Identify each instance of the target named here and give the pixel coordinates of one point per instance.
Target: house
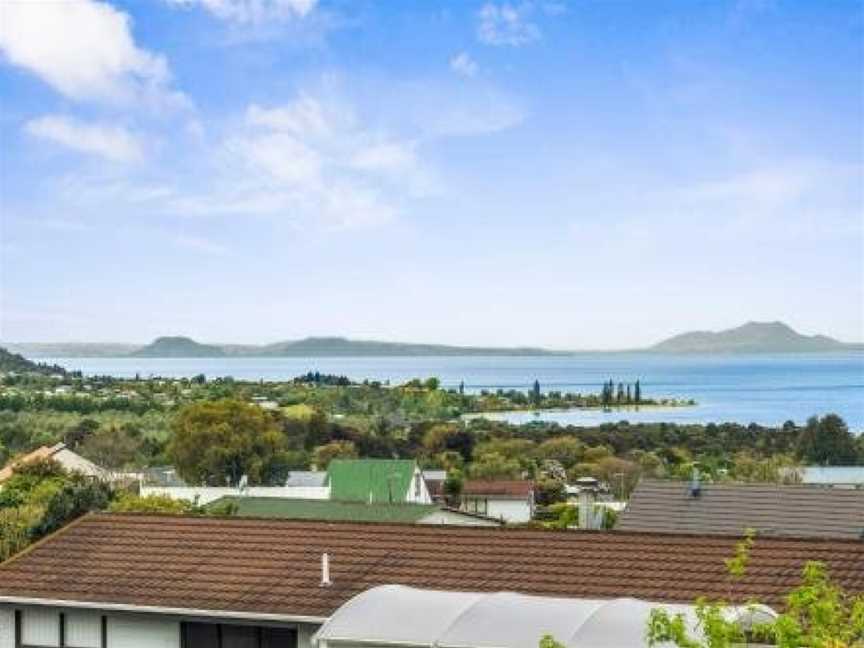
(509, 500)
(668, 506)
(151, 581)
(61, 454)
(393, 481)
(298, 509)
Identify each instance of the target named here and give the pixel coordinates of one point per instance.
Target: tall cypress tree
(638, 394)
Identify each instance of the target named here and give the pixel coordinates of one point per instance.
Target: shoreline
(587, 408)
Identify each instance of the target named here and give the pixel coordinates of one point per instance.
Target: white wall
(124, 630)
(418, 493)
(140, 632)
(207, 494)
(510, 510)
(7, 627)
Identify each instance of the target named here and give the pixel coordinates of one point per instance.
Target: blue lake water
(759, 388)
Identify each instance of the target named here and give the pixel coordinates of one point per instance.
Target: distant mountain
(12, 362)
(72, 349)
(342, 347)
(178, 347)
(753, 337)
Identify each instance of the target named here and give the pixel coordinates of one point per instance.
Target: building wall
(510, 510)
(123, 630)
(418, 493)
(7, 628)
(207, 494)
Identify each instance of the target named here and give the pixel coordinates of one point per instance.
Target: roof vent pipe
(325, 570)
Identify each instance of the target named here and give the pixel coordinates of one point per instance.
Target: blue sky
(593, 174)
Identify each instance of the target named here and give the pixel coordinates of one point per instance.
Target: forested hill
(753, 337)
(316, 347)
(178, 347)
(12, 362)
(337, 346)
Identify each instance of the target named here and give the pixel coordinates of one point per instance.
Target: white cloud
(464, 65)
(780, 188)
(311, 160)
(110, 142)
(200, 244)
(85, 50)
(506, 24)
(252, 11)
(281, 155)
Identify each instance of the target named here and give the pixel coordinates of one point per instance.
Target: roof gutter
(156, 609)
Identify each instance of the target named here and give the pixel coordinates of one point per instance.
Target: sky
(581, 174)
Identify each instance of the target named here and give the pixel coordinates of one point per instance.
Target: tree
(494, 466)
(818, 614)
(165, 505)
(446, 436)
(112, 447)
(637, 392)
(323, 455)
(827, 441)
(77, 496)
(549, 491)
(566, 450)
(218, 442)
(535, 393)
(77, 434)
(452, 487)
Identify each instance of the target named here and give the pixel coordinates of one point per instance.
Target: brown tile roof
(499, 487)
(808, 511)
(273, 566)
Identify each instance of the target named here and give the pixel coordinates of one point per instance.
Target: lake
(760, 388)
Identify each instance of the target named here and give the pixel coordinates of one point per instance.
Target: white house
(508, 500)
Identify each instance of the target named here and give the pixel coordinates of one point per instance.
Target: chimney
(586, 508)
(325, 570)
(695, 483)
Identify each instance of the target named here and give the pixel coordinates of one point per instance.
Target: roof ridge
(511, 529)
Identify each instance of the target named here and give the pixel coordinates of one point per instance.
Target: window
(40, 628)
(476, 505)
(216, 635)
(82, 630)
(51, 628)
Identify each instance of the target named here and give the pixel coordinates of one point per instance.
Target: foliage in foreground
(818, 614)
(40, 498)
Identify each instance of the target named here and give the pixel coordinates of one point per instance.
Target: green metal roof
(300, 509)
(370, 480)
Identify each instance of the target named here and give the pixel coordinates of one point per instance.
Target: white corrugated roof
(394, 614)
